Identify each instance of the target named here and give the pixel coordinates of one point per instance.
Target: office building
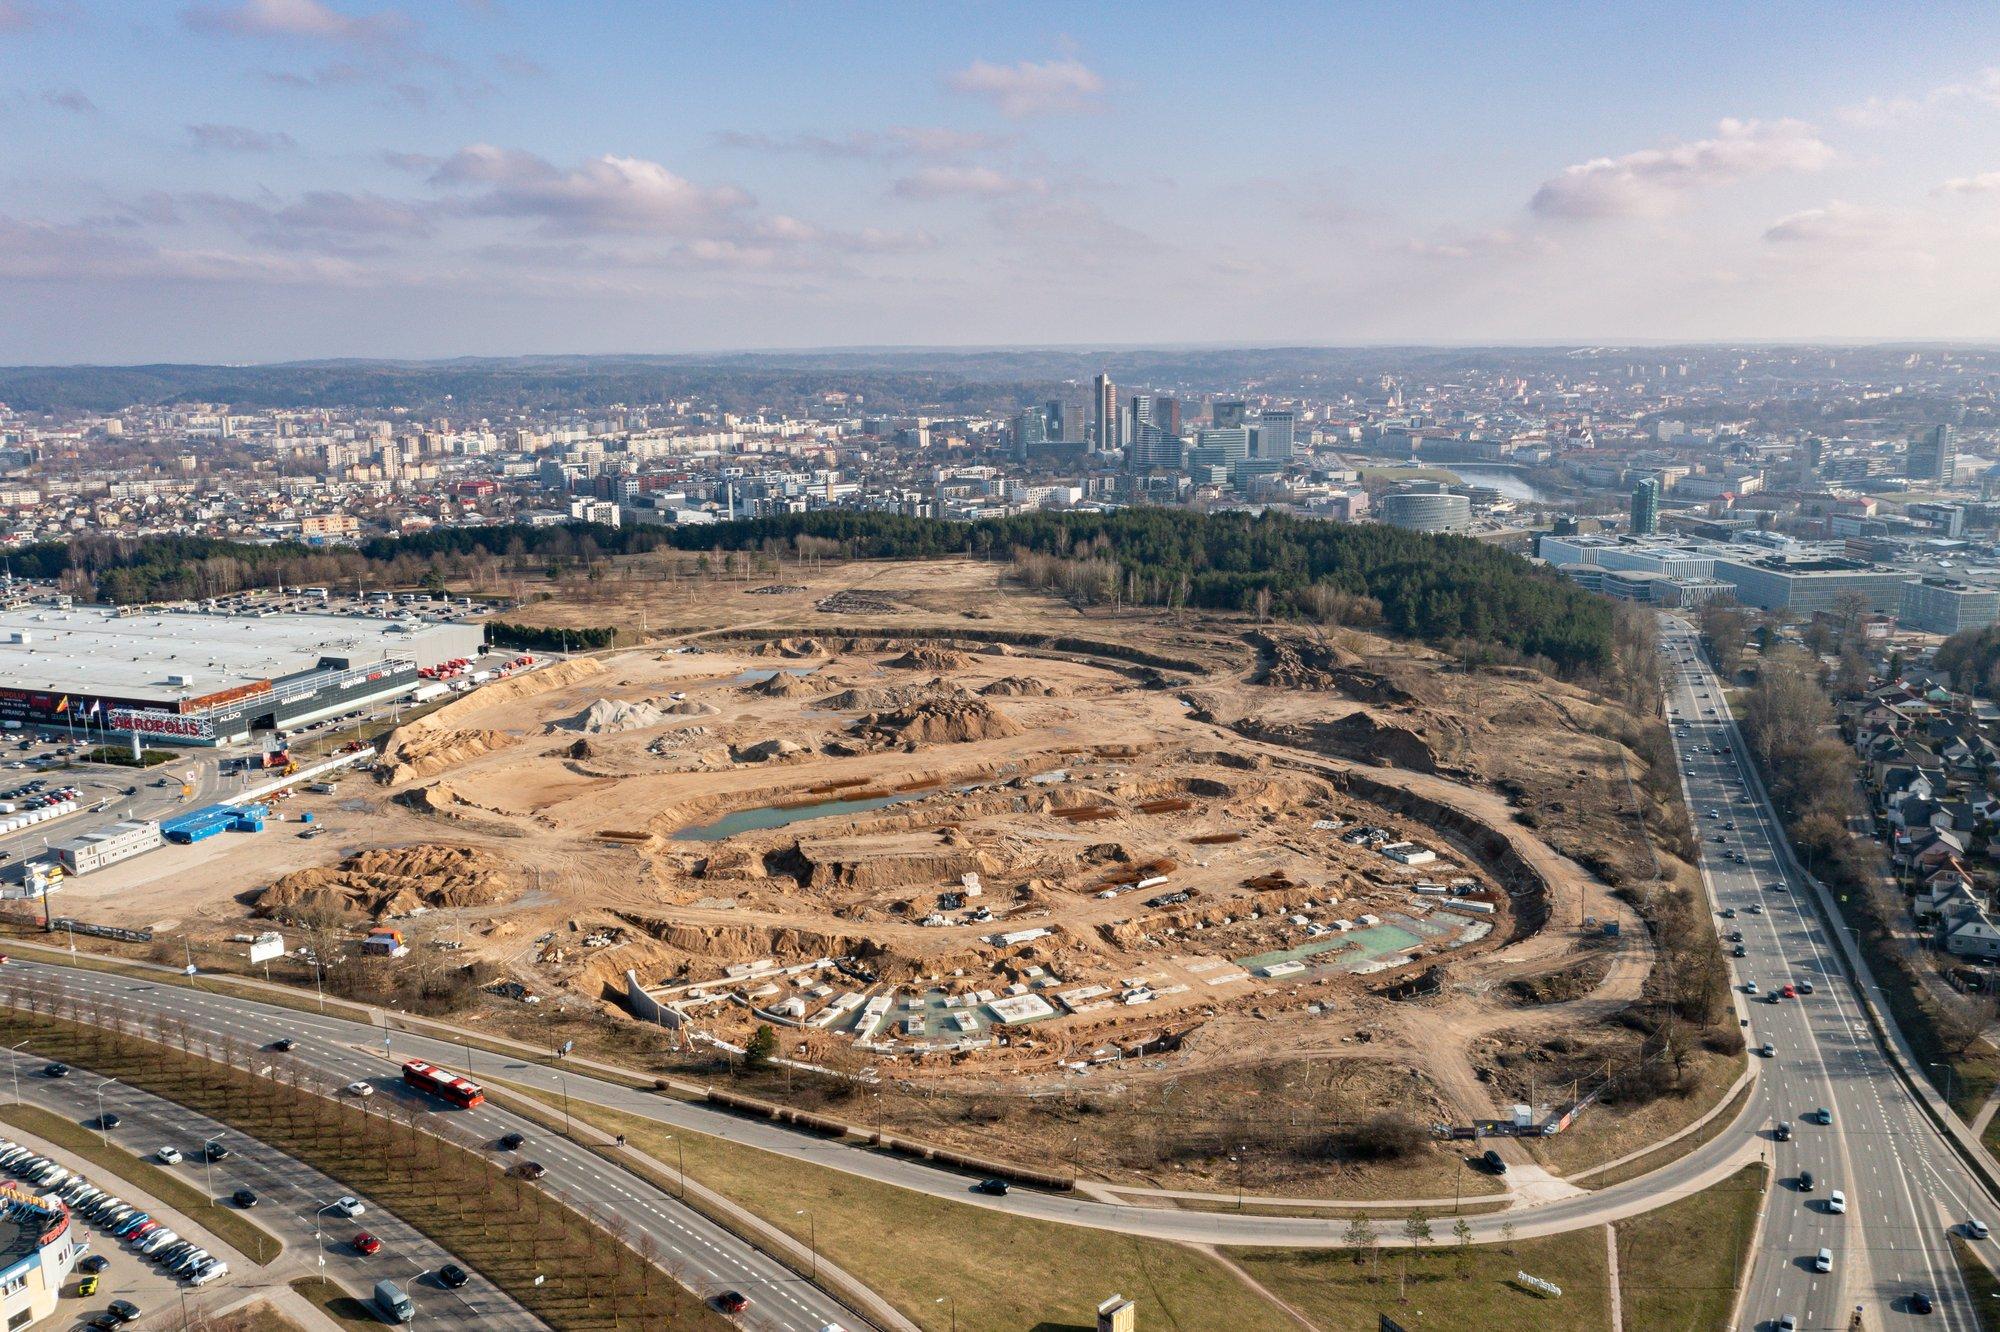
(1947, 606)
(1646, 506)
(1275, 432)
(40, 1243)
(1104, 408)
(1933, 457)
(1800, 585)
(1226, 414)
(1420, 512)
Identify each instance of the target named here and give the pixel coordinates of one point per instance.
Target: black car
(996, 1187)
(126, 1310)
(1920, 1302)
(57, 1070)
(96, 1262)
(105, 1322)
(244, 1198)
(513, 1142)
(1491, 1160)
(107, 1120)
(213, 1151)
(451, 1276)
(1806, 1181)
(284, 1044)
(531, 1170)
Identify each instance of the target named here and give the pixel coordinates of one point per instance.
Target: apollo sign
(146, 721)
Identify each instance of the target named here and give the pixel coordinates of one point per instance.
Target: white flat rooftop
(94, 650)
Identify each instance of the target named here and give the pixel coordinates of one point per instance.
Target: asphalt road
(290, 1196)
(704, 1256)
(1905, 1188)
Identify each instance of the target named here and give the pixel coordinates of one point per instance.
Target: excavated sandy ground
(1243, 752)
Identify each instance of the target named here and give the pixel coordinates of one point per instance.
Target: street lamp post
(14, 1066)
(680, 1156)
(953, 1300)
(103, 1131)
(565, 1093)
(812, 1238)
(1948, 1082)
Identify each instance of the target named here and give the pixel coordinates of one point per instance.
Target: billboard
(267, 947)
(150, 721)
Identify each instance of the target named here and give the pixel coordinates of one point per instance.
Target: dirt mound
(374, 884)
(1020, 686)
(765, 751)
(928, 657)
(609, 715)
(791, 647)
(781, 685)
(415, 752)
(875, 700)
(436, 798)
(941, 721)
(688, 707)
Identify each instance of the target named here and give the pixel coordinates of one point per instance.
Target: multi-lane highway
(292, 1199)
(1904, 1188)
(702, 1254)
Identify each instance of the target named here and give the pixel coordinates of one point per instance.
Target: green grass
(1679, 1266)
(1444, 1286)
(1980, 1284)
(1006, 1272)
(353, 1314)
(229, 1225)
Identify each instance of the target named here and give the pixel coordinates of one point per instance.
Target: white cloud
(307, 20)
(977, 182)
(66, 252)
(1851, 229)
(1655, 180)
(1982, 89)
(605, 194)
(237, 138)
(1029, 88)
(70, 99)
(1986, 182)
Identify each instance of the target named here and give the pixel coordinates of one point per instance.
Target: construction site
(1012, 847)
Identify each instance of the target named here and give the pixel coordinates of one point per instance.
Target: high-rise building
(1031, 430)
(1104, 408)
(1646, 506)
(1167, 415)
(1227, 414)
(1274, 435)
(1933, 457)
(1066, 422)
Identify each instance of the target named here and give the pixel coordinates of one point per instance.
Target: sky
(265, 180)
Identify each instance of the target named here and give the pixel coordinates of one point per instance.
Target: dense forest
(1444, 589)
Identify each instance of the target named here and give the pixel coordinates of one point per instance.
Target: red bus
(446, 1086)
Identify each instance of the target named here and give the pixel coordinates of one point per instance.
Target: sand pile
(374, 884)
(791, 647)
(688, 707)
(781, 685)
(928, 657)
(941, 721)
(436, 798)
(422, 751)
(766, 751)
(1020, 686)
(874, 700)
(609, 715)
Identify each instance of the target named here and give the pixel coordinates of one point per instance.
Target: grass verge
(1597, 1137)
(1980, 1283)
(1006, 1272)
(228, 1225)
(504, 1227)
(1445, 1286)
(344, 1309)
(1671, 1152)
(1679, 1266)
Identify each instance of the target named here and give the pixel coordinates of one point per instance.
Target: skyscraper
(1646, 506)
(1933, 457)
(1104, 407)
(1227, 414)
(1275, 432)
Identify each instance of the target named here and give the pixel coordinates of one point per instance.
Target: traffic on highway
(1865, 1191)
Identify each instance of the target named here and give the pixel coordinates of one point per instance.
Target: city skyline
(262, 180)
